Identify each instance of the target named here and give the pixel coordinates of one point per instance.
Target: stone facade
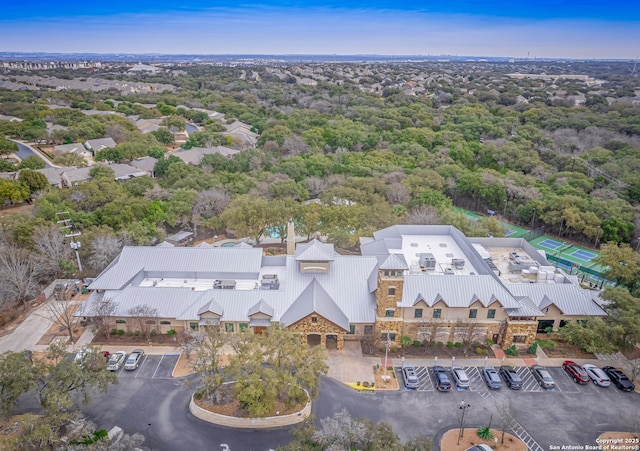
(321, 326)
(388, 295)
(526, 329)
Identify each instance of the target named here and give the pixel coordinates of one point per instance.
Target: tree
(143, 317)
(206, 344)
(71, 160)
(623, 312)
(102, 171)
(622, 264)
(60, 312)
(32, 162)
(20, 273)
(54, 252)
(592, 336)
(247, 216)
(102, 314)
(17, 378)
(164, 136)
(104, 248)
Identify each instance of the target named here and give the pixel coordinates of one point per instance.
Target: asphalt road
(25, 151)
(571, 415)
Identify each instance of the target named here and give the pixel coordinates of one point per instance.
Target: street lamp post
(533, 219)
(149, 437)
(463, 406)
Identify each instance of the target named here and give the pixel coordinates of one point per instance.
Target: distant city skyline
(548, 29)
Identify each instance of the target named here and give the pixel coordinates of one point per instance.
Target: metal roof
(261, 307)
(314, 299)
(159, 260)
(455, 291)
(211, 306)
(395, 261)
(315, 251)
(527, 308)
(571, 299)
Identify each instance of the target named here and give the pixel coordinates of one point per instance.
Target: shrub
(405, 341)
(440, 344)
(546, 344)
(533, 348)
(114, 331)
(490, 342)
(153, 333)
(548, 330)
(393, 349)
(481, 351)
(417, 343)
(450, 344)
(121, 332)
(485, 433)
(457, 345)
(171, 332)
(512, 351)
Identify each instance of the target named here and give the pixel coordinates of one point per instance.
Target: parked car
(480, 447)
(116, 361)
(410, 376)
(492, 378)
(460, 377)
(543, 377)
(81, 355)
(597, 375)
(134, 360)
(441, 378)
(511, 377)
(575, 371)
(619, 379)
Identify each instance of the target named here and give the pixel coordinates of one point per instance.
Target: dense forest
(343, 149)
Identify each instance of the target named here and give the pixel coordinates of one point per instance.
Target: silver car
(134, 360)
(410, 376)
(460, 377)
(597, 375)
(116, 360)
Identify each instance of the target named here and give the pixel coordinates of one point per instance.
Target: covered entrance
(332, 342)
(259, 330)
(314, 339)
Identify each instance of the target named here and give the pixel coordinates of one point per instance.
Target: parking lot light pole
(463, 406)
(149, 437)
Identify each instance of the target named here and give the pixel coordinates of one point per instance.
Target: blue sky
(543, 28)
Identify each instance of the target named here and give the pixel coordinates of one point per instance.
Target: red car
(575, 371)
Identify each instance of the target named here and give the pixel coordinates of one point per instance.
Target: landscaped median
(249, 423)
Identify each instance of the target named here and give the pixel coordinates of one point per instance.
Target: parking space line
(157, 367)
(424, 378)
(140, 366)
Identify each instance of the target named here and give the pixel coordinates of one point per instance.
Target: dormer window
(314, 319)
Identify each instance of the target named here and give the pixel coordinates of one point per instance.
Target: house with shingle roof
(75, 148)
(94, 145)
(426, 282)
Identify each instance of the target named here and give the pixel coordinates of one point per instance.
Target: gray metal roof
(395, 261)
(183, 260)
(527, 308)
(314, 299)
(455, 291)
(315, 251)
(211, 306)
(261, 307)
(568, 297)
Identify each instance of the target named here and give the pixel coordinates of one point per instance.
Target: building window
(368, 330)
(387, 272)
(243, 327)
(314, 319)
(398, 273)
(120, 321)
(473, 313)
(352, 329)
(193, 326)
(519, 338)
(417, 313)
(228, 327)
(392, 291)
(150, 321)
(437, 313)
(389, 313)
(491, 313)
(165, 323)
(392, 337)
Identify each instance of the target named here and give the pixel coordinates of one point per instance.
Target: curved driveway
(24, 151)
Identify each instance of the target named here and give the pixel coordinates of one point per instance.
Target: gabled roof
(211, 306)
(76, 148)
(527, 308)
(261, 307)
(455, 291)
(146, 163)
(99, 144)
(314, 299)
(125, 171)
(570, 298)
(395, 261)
(315, 251)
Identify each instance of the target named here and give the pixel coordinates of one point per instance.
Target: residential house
(94, 145)
(146, 164)
(242, 134)
(195, 155)
(75, 148)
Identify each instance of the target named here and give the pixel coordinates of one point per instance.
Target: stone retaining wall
(249, 423)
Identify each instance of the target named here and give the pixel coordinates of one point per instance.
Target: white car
(116, 361)
(597, 375)
(80, 355)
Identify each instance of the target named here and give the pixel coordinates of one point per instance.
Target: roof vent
(443, 245)
(414, 244)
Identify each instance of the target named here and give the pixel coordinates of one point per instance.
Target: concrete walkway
(348, 365)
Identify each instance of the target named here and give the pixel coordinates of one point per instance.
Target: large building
(425, 282)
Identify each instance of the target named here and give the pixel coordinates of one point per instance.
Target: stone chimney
(291, 238)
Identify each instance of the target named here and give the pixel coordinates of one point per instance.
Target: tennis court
(550, 244)
(584, 255)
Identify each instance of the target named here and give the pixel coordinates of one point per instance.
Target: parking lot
(152, 367)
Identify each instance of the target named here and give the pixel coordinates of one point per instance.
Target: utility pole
(463, 406)
(70, 231)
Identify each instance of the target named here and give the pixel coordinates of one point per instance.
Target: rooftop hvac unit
(224, 284)
(449, 271)
(458, 263)
(270, 282)
(427, 261)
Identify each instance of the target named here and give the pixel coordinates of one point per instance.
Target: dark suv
(441, 378)
(619, 379)
(491, 377)
(511, 377)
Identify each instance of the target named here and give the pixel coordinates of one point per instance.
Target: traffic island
(451, 440)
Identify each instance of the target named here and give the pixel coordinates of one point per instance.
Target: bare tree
(104, 248)
(341, 432)
(20, 274)
(61, 313)
(55, 253)
(398, 194)
(210, 203)
(423, 214)
(102, 313)
(507, 414)
(635, 368)
(315, 186)
(295, 145)
(468, 333)
(144, 317)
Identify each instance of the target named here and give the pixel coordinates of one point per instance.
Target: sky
(509, 28)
